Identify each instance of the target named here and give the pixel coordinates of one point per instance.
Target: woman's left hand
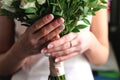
(69, 45)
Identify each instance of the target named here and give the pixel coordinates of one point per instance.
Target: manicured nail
(50, 46)
(50, 16)
(60, 20)
(61, 27)
(57, 60)
(47, 54)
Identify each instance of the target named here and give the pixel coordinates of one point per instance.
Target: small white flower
(8, 8)
(26, 4)
(7, 2)
(41, 1)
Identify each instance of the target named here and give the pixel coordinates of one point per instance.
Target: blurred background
(111, 70)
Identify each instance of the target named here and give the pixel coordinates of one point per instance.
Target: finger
(65, 52)
(56, 37)
(60, 48)
(62, 58)
(62, 40)
(44, 50)
(65, 46)
(75, 42)
(40, 23)
(51, 35)
(49, 28)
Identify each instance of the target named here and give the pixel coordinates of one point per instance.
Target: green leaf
(32, 16)
(81, 17)
(58, 14)
(81, 26)
(86, 10)
(68, 1)
(99, 7)
(93, 3)
(69, 22)
(86, 21)
(54, 4)
(85, 0)
(75, 30)
(90, 13)
(81, 8)
(31, 10)
(103, 1)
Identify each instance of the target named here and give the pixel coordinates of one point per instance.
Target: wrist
(16, 54)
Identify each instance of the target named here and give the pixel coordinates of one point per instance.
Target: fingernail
(50, 46)
(50, 16)
(57, 60)
(61, 27)
(43, 51)
(47, 54)
(61, 19)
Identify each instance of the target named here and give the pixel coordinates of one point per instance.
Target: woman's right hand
(35, 37)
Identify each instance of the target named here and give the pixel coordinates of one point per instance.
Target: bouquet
(29, 11)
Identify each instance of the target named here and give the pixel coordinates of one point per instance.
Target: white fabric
(76, 68)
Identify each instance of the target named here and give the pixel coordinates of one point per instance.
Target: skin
(14, 54)
(93, 44)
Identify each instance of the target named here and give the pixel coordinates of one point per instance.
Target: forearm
(98, 53)
(10, 63)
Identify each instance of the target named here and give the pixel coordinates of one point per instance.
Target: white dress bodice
(76, 68)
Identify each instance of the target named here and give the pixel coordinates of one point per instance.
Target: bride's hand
(69, 45)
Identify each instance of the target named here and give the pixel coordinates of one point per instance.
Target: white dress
(76, 68)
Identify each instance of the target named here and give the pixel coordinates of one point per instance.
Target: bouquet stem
(56, 70)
